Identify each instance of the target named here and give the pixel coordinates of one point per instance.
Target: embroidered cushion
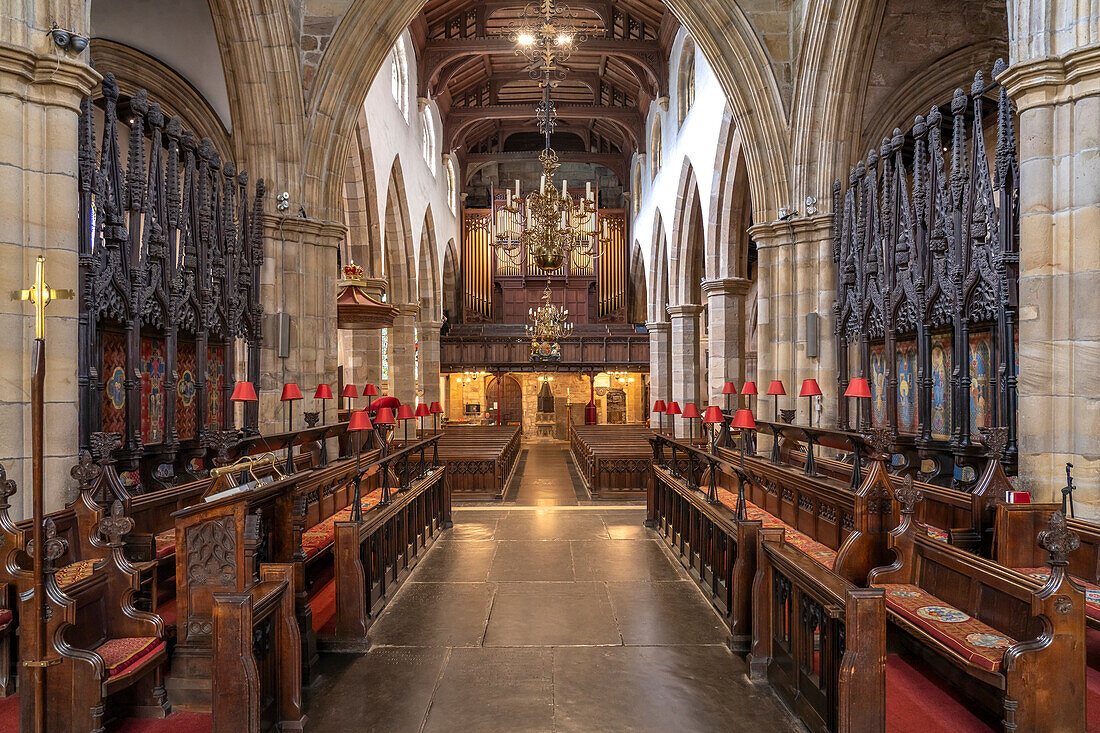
(977, 642)
(165, 543)
(819, 552)
(5, 617)
(1092, 592)
(321, 535)
(936, 533)
(120, 655)
(73, 572)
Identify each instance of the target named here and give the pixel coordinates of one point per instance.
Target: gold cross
(41, 295)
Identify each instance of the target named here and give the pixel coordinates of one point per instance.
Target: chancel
(695, 365)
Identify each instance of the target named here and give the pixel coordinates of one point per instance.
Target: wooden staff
(40, 295)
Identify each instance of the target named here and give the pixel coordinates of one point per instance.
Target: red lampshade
(858, 388)
(436, 408)
(244, 392)
(370, 390)
(776, 388)
(350, 391)
(690, 410)
(324, 392)
(748, 388)
(405, 412)
(713, 415)
(809, 388)
(291, 392)
(384, 416)
(743, 419)
(729, 388)
(360, 420)
(673, 408)
(422, 410)
(659, 406)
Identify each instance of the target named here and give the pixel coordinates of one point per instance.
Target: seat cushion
(5, 617)
(165, 543)
(819, 552)
(977, 642)
(73, 572)
(1092, 592)
(936, 533)
(124, 653)
(321, 535)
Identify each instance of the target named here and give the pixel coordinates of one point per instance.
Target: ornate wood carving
(212, 552)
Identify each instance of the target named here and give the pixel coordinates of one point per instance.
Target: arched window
(452, 183)
(686, 83)
(655, 146)
(636, 188)
(400, 81)
(427, 137)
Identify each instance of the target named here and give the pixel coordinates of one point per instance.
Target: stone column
(1055, 83)
(41, 87)
(726, 313)
(403, 354)
(796, 276)
(660, 367)
(685, 357)
(429, 361)
(299, 278)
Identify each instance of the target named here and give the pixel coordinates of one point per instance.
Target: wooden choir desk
(479, 459)
(614, 460)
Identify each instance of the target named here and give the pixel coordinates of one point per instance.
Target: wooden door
(509, 399)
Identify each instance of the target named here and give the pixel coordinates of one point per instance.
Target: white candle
(563, 220)
(509, 199)
(563, 184)
(517, 188)
(542, 185)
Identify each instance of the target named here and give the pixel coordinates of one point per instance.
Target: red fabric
(323, 605)
(977, 642)
(167, 612)
(5, 617)
(165, 543)
(1092, 679)
(919, 701)
(121, 654)
(174, 723)
(387, 401)
(73, 572)
(819, 552)
(1092, 592)
(321, 535)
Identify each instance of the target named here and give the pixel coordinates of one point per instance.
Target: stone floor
(534, 618)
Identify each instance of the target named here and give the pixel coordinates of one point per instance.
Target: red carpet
(174, 723)
(917, 702)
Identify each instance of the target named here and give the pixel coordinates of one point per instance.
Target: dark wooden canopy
(356, 310)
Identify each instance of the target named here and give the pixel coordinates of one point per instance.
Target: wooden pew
(256, 676)
(479, 460)
(375, 553)
(105, 657)
(818, 639)
(614, 460)
(1001, 636)
(7, 644)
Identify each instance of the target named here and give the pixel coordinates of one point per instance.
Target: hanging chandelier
(548, 324)
(546, 34)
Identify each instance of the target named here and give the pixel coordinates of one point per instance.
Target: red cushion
(936, 533)
(5, 617)
(165, 543)
(978, 643)
(73, 572)
(127, 652)
(322, 534)
(1092, 591)
(819, 552)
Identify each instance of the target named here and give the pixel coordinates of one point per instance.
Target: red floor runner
(323, 605)
(174, 723)
(917, 702)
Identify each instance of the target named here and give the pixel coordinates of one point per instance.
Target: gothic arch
(398, 242)
(658, 305)
(363, 239)
(451, 272)
(730, 211)
(689, 243)
(427, 276)
(636, 305)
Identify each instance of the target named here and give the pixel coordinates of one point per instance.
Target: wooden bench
(479, 460)
(818, 639)
(1002, 636)
(614, 460)
(105, 658)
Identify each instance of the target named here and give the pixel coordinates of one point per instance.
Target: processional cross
(41, 295)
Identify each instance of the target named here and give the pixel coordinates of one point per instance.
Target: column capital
(684, 310)
(792, 231)
(1053, 79)
(313, 231)
(431, 326)
(657, 326)
(410, 310)
(45, 78)
(727, 286)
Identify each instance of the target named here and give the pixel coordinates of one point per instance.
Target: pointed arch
(658, 304)
(730, 211)
(398, 241)
(636, 305)
(689, 244)
(452, 305)
(427, 274)
(362, 242)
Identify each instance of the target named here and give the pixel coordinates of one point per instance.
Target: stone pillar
(403, 354)
(41, 87)
(1055, 83)
(685, 358)
(429, 361)
(796, 276)
(726, 313)
(298, 277)
(660, 367)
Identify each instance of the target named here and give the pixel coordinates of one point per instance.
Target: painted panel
(153, 367)
(114, 384)
(941, 385)
(186, 391)
(878, 385)
(981, 393)
(215, 385)
(907, 386)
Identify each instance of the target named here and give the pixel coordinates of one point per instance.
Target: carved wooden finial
(116, 526)
(311, 418)
(7, 487)
(908, 495)
(787, 416)
(995, 440)
(882, 441)
(221, 441)
(85, 472)
(55, 546)
(1059, 540)
(103, 445)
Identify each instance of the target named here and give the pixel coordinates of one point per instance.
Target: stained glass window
(385, 354)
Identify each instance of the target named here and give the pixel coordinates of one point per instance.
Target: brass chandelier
(548, 324)
(546, 35)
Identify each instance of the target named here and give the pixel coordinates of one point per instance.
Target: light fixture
(546, 34)
(564, 39)
(549, 323)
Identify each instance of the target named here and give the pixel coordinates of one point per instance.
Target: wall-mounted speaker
(813, 334)
(283, 344)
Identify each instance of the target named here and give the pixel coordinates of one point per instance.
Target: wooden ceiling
(485, 93)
